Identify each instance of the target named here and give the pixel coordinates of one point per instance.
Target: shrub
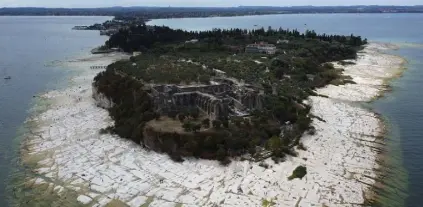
(194, 113)
(187, 126)
(312, 131)
(301, 146)
(181, 117)
(196, 127)
(176, 157)
(264, 165)
(299, 172)
(221, 154)
(225, 162)
(217, 124)
(206, 123)
(103, 131)
(225, 123)
(266, 203)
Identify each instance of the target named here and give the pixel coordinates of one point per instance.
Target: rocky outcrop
(100, 99)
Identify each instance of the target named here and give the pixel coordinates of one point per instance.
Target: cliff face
(100, 99)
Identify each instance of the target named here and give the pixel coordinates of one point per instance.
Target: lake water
(29, 48)
(402, 109)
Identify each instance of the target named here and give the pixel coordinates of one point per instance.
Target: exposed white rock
(84, 199)
(101, 100)
(339, 159)
(258, 62)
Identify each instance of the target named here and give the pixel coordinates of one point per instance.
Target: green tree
(194, 113)
(191, 146)
(299, 172)
(221, 153)
(172, 114)
(274, 144)
(303, 123)
(181, 117)
(237, 121)
(196, 127)
(217, 124)
(209, 143)
(225, 123)
(188, 126)
(206, 123)
(247, 123)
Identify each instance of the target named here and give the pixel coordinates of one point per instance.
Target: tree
(303, 123)
(221, 153)
(206, 123)
(187, 126)
(299, 172)
(217, 124)
(237, 121)
(274, 144)
(225, 123)
(181, 117)
(209, 143)
(247, 123)
(254, 142)
(191, 146)
(172, 114)
(256, 122)
(157, 117)
(196, 127)
(194, 113)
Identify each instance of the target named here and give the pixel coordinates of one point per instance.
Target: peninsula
(221, 93)
(233, 117)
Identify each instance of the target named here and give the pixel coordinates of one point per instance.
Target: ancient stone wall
(213, 100)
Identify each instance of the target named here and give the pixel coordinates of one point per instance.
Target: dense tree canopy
(287, 78)
(142, 37)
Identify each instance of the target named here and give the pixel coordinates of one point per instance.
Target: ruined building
(222, 98)
(261, 47)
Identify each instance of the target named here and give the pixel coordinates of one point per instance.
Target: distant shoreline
(184, 12)
(211, 16)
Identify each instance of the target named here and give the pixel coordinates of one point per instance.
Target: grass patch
(148, 202)
(116, 203)
(299, 172)
(266, 203)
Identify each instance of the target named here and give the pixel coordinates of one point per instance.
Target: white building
(261, 48)
(192, 41)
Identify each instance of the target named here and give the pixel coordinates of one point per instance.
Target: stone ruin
(222, 98)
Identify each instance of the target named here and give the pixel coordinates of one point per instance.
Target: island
(220, 94)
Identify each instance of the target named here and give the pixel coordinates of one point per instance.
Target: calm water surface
(402, 109)
(29, 46)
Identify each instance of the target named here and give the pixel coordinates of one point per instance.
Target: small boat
(7, 78)
(255, 25)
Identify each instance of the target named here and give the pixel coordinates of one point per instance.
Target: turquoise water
(402, 109)
(30, 48)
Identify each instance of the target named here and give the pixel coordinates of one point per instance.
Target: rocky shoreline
(71, 155)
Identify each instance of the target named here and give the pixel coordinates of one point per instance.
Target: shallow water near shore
(32, 47)
(403, 108)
